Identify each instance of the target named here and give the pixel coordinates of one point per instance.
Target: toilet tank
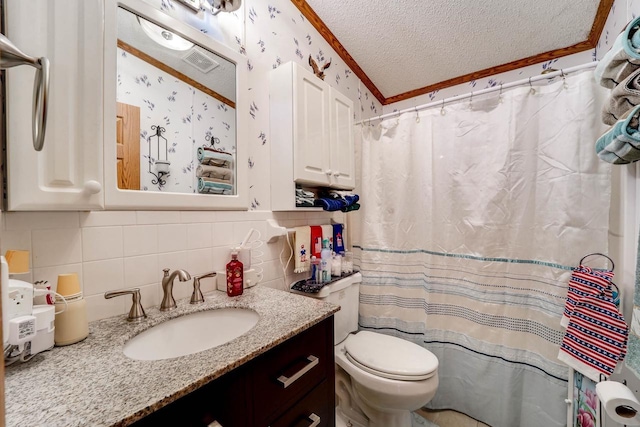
(345, 293)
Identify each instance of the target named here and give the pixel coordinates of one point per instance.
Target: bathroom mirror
(173, 138)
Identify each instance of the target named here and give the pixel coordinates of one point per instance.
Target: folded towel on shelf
(623, 98)
(222, 181)
(584, 281)
(301, 246)
(316, 240)
(621, 143)
(214, 158)
(302, 202)
(596, 337)
(305, 193)
(214, 172)
(622, 59)
(329, 204)
(208, 187)
(338, 238)
(353, 207)
(327, 233)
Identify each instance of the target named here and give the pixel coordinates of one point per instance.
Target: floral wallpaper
(271, 33)
(190, 118)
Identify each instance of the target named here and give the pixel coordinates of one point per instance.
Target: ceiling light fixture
(164, 37)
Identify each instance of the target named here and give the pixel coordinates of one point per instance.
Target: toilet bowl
(380, 379)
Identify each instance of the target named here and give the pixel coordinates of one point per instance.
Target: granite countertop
(94, 383)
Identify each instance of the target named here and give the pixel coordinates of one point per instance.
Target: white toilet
(380, 379)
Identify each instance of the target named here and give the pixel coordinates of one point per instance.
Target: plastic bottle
(316, 275)
(235, 278)
(325, 261)
(336, 265)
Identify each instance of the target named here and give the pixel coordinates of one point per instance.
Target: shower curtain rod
(501, 87)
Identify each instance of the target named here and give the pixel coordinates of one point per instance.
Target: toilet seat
(390, 357)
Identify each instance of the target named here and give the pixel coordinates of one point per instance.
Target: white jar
(71, 325)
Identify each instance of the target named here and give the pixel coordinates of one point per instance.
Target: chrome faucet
(196, 296)
(168, 303)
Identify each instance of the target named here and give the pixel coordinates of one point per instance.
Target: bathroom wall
(121, 249)
(118, 249)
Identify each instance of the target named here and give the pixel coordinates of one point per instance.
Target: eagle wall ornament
(317, 70)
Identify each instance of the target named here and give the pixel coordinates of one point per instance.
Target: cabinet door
(311, 129)
(342, 150)
(67, 173)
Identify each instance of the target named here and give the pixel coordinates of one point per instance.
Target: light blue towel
(622, 59)
(621, 143)
(214, 158)
(214, 187)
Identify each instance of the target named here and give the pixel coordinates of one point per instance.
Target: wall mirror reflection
(176, 112)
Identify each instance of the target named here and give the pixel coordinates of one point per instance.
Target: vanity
(280, 373)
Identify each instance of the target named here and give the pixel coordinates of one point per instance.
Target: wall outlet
(20, 298)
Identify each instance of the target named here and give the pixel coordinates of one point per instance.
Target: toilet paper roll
(619, 402)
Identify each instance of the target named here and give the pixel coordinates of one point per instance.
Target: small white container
(71, 325)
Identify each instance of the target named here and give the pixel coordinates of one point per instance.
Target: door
(67, 173)
(342, 150)
(311, 129)
(128, 146)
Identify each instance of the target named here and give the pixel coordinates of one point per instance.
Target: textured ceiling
(404, 45)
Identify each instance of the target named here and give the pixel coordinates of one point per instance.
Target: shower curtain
(472, 217)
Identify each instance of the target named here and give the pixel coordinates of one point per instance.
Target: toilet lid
(390, 357)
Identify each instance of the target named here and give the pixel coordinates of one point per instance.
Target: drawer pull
(286, 382)
(316, 420)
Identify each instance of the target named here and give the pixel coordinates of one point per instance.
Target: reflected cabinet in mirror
(177, 138)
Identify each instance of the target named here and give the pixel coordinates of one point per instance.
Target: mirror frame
(116, 198)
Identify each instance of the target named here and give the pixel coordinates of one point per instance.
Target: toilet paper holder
(622, 410)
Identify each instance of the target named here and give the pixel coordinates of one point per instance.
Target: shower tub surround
(94, 383)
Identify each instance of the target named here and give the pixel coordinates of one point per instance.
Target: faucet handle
(136, 314)
(196, 296)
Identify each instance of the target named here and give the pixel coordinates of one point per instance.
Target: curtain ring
(564, 79)
(471, 101)
(500, 95)
(417, 116)
(598, 253)
(532, 90)
(442, 112)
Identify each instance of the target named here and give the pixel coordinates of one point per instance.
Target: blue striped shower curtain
(471, 220)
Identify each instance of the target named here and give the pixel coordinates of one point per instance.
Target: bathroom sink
(190, 334)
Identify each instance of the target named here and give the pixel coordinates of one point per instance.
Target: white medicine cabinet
(311, 134)
(80, 166)
(67, 173)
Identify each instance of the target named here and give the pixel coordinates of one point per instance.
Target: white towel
(327, 233)
(302, 249)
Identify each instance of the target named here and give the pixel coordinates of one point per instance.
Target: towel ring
(603, 255)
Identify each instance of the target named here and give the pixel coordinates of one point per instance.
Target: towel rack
(11, 56)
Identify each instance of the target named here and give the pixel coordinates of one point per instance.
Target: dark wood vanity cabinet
(289, 385)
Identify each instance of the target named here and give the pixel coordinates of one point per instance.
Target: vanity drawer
(291, 370)
(312, 410)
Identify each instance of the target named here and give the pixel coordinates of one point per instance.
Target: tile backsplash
(125, 249)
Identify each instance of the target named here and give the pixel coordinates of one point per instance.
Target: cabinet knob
(328, 171)
(92, 187)
(336, 174)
